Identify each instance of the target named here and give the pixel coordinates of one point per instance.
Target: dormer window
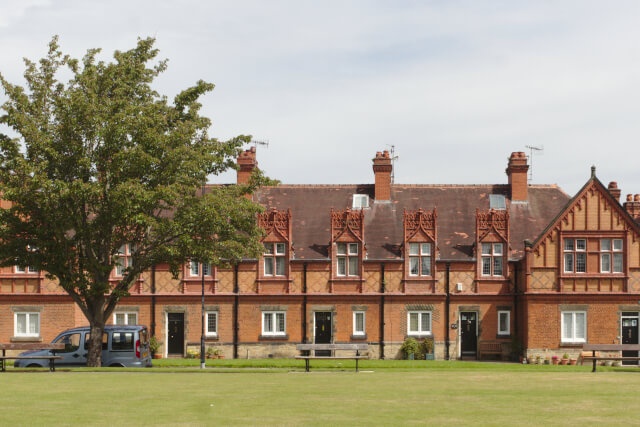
(497, 202)
(360, 201)
(420, 259)
(274, 254)
(347, 259)
(492, 259)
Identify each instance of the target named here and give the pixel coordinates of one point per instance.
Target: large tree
(103, 160)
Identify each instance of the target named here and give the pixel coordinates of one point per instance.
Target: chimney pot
(382, 170)
(614, 190)
(517, 173)
(629, 198)
(636, 198)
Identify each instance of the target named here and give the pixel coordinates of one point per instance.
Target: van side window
(122, 341)
(87, 337)
(71, 343)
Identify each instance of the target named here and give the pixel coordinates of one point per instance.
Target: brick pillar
(382, 170)
(614, 190)
(517, 173)
(247, 163)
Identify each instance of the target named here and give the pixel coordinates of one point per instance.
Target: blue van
(124, 346)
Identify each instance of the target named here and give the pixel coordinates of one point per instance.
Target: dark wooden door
(469, 333)
(322, 333)
(629, 336)
(175, 344)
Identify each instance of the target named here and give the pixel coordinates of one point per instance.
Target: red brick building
(380, 262)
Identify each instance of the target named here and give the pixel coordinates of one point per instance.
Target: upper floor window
(497, 202)
(420, 259)
(274, 256)
(575, 255)
(611, 259)
(360, 201)
(195, 268)
(492, 259)
(124, 258)
(25, 270)
(347, 259)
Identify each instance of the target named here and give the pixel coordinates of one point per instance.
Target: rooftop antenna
(257, 142)
(533, 149)
(393, 162)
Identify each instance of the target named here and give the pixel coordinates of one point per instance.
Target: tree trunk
(94, 357)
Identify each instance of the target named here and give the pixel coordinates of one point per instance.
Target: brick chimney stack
(517, 173)
(382, 170)
(632, 206)
(614, 190)
(247, 162)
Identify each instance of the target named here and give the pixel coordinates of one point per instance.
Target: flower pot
(411, 356)
(221, 356)
(531, 360)
(573, 361)
(157, 356)
(547, 361)
(555, 361)
(564, 361)
(607, 363)
(429, 356)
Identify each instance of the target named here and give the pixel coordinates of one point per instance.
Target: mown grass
(266, 393)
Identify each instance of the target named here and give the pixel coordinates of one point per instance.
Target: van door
(105, 353)
(72, 354)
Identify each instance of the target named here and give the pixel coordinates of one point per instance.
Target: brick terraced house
(379, 263)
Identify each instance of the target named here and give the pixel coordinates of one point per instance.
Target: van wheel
(116, 365)
(34, 365)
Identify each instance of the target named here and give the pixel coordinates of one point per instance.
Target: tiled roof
(456, 204)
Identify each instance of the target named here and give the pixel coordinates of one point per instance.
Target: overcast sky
(456, 86)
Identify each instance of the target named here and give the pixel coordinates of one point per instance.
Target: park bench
(489, 347)
(312, 348)
(31, 346)
(596, 348)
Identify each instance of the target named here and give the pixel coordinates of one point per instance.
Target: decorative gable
(420, 222)
(347, 224)
(492, 226)
(277, 224)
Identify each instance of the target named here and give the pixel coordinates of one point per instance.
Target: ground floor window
(419, 322)
(27, 324)
(125, 318)
(504, 322)
(212, 323)
(274, 323)
(358, 323)
(574, 326)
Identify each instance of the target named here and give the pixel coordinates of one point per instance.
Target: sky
(455, 86)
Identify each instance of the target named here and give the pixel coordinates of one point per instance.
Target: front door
(322, 333)
(468, 333)
(175, 333)
(629, 336)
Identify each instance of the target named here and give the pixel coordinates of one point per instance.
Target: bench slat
(611, 347)
(309, 347)
(331, 357)
(30, 357)
(32, 346)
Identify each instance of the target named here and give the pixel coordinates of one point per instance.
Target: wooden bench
(595, 348)
(31, 346)
(331, 347)
(489, 347)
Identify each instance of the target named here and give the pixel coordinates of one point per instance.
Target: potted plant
(211, 353)
(409, 348)
(154, 346)
(565, 359)
(531, 359)
(219, 354)
(555, 360)
(428, 349)
(538, 359)
(547, 360)
(573, 361)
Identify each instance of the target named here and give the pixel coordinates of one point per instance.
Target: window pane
(121, 250)
(568, 244)
(212, 323)
(34, 325)
(414, 248)
(605, 263)
(280, 322)
(605, 244)
(581, 263)
(497, 266)
(425, 325)
(132, 319)
(426, 248)
(268, 248)
(206, 269)
(21, 323)
(617, 263)
(342, 248)
(279, 266)
(353, 249)
(119, 318)
(617, 244)
(413, 322)
(194, 268)
(580, 326)
(568, 263)
(486, 249)
(342, 266)
(486, 266)
(414, 264)
(120, 266)
(503, 322)
(567, 326)
(280, 248)
(267, 321)
(268, 266)
(497, 248)
(122, 341)
(426, 266)
(581, 244)
(359, 323)
(353, 266)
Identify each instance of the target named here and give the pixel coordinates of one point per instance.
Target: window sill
(503, 336)
(572, 344)
(359, 337)
(274, 337)
(211, 337)
(26, 339)
(420, 335)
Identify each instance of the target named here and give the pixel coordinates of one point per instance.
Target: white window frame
(356, 332)
(419, 256)
(209, 332)
(347, 255)
(574, 252)
(28, 270)
(360, 201)
(199, 266)
(126, 314)
(28, 315)
(611, 253)
(492, 255)
(278, 252)
(572, 339)
(508, 330)
(274, 323)
(422, 331)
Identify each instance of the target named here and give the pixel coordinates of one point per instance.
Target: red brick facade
(542, 269)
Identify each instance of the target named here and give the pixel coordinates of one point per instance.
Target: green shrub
(410, 346)
(428, 346)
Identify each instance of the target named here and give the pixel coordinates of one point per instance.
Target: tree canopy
(104, 160)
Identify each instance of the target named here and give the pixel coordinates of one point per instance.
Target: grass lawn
(398, 393)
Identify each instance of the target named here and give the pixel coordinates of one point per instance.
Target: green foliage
(154, 344)
(410, 346)
(427, 346)
(103, 160)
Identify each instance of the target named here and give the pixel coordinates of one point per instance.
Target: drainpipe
(153, 300)
(304, 303)
(235, 312)
(382, 311)
(446, 315)
(515, 302)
